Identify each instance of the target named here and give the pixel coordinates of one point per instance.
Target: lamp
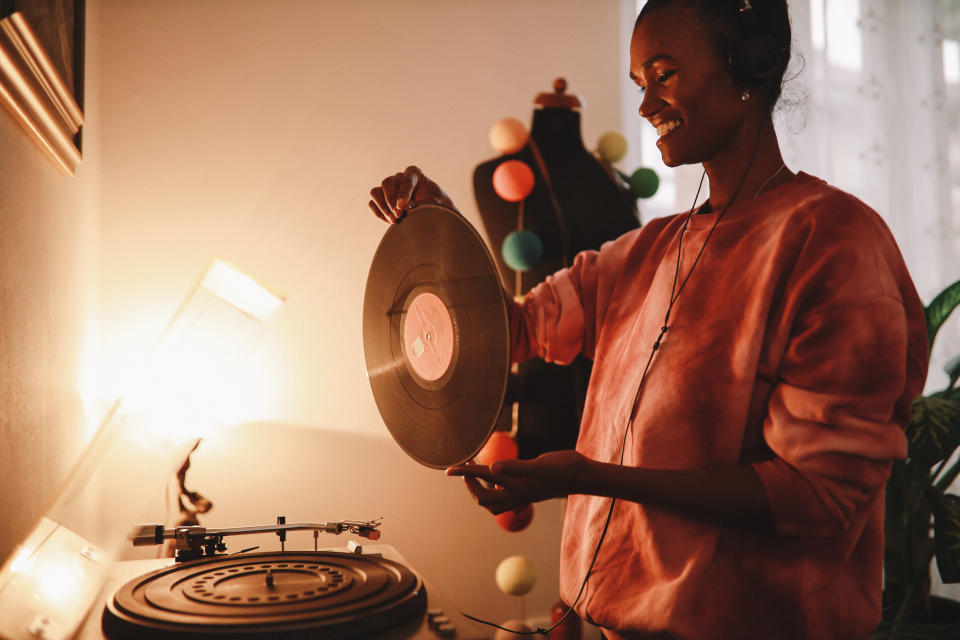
(188, 384)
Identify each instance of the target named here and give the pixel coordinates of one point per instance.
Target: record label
(428, 336)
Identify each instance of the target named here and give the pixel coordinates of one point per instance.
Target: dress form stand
(575, 205)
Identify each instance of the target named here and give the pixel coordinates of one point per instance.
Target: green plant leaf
(940, 309)
(946, 534)
(933, 431)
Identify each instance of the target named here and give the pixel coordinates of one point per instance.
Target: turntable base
(292, 594)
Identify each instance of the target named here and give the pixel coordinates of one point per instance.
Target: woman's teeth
(667, 127)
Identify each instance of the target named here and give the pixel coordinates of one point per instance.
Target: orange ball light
(500, 446)
(515, 520)
(513, 180)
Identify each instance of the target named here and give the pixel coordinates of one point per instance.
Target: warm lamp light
(240, 290)
(189, 382)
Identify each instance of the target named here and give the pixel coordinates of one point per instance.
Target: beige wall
(253, 131)
(48, 255)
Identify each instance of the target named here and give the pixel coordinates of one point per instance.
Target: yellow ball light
(508, 135)
(516, 576)
(612, 147)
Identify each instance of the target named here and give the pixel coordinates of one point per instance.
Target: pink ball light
(513, 180)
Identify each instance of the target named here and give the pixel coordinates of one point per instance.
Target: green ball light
(521, 250)
(644, 183)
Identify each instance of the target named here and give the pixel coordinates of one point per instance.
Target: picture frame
(41, 74)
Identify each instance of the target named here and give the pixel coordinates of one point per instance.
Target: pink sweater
(797, 347)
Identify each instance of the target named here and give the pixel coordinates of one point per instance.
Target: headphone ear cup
(755, 57)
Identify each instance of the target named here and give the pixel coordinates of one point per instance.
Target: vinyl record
(266, 596)
(436, 336)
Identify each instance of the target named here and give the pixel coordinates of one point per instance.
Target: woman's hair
(756, 45)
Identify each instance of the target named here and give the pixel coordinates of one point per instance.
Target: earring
(745, 95)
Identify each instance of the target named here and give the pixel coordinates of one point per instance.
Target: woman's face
(689, 96)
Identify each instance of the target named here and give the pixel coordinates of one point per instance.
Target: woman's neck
(757, 140)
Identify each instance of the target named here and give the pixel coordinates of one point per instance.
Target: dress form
(576, 204)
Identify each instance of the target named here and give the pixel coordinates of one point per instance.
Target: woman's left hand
(507, 485)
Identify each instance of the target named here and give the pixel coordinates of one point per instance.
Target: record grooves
(436, 336)
(268, 595)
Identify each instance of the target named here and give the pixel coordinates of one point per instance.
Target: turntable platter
(268, 595)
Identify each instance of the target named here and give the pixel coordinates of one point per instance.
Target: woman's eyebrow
(652, 59)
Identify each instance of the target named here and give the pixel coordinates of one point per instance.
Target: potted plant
(922, 517)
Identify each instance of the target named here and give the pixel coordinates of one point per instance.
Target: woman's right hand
(402, 191)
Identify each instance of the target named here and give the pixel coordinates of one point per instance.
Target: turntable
(359, 591)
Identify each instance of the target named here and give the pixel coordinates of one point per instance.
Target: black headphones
(756, 55)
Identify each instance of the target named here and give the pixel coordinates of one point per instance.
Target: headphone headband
(756, 55)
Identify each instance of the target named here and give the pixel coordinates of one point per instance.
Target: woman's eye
(664, 76)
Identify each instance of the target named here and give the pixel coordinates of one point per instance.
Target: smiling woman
(754, 364)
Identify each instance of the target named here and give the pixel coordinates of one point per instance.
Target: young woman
(754, 366)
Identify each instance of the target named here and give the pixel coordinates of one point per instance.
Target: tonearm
(195, 542)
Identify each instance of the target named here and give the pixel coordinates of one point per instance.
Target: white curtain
(873, 92)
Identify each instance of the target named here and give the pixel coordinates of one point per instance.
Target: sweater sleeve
(831, 421)
(552, 320)
(854, 358)
(562, 316)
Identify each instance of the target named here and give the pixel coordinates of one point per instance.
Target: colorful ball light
(612, 147)
(514, 521)
(508, 135)
(644, 183)
(499, 446)
(516, 576)
(521, 250)
(513, 180)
